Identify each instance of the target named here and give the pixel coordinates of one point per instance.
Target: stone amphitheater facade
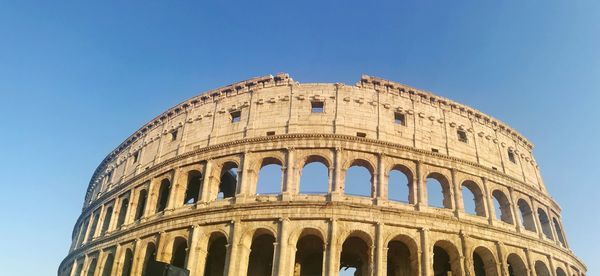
(182, 189)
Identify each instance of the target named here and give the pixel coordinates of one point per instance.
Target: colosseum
(448, 191)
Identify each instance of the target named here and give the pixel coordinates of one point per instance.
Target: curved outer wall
(377, 124)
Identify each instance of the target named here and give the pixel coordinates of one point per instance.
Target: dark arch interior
(526, 215)
(149, 257)
(106, 222)
(163, 195)
(478, 265)
(545, 224)
(229, 181)
(179, 252)
(355, 255)
(541, 269)
(441, 262)
(309, 256)
(141, 208)
(92, 268)
(215, 258)
(192, 191)
(108, 264)
(127, 263)
(122, 211)
(516, 266)
(398, 259)
(260, 262)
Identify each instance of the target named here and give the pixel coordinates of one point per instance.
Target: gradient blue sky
(78, 77)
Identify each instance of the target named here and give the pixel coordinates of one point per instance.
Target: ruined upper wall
(278, 105)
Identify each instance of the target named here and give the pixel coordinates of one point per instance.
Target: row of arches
(269, 176)
(356, 256)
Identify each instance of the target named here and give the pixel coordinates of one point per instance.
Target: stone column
(289, 185)
(138, 258)
(458, 205)
(331, 260)
(117, 261)
(381, 252)
(427, 253)
(153, 190)
(192, 260)
(162, 252)
(487, 196)
(382, 185)
(421, 188)
(513, 209)
(466, 257)
(502, 266)
(176, 188)
(280, 258)
(245, 186)
(208, 182)
(201, 247)
(338, 186)
(530, 264)
(536, 221)
(232, 260)
(98, 229)
(551, 264)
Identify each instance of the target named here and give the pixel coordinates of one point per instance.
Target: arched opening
(516, 266)
(438, 191)
(94, 225)
(127, 263)
(502, 207)
(560, 272)
(400, 260)
(122, 212)
(82, 230)
(228, 181)
(106, 222)
(179, 255)
(92, 267)
(541, 269)
(269, 177)
(309, 256)
(359, 179)
(192, 191)
(484, 262)
(163, 195)
(446, 260)
(314, 178)
(78, 268)
(545, 223)
(399, 184)
(215, 258)
(559, 232)
(474, 206)
(260, 262)
(108, 265)
(355, 256)
(141, 208)
(526, 215)
(149, 257)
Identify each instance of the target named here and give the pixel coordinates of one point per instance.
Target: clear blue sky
(78, 77)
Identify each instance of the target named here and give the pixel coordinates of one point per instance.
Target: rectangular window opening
(399, 118)
(317, 107)
(511, 156)
(174, 135)
(361, 134)
(236, 116)
(434, 150)
(136, 156)
(462, 136)
(270, 133)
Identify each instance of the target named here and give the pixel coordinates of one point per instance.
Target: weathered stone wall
(357, 127)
